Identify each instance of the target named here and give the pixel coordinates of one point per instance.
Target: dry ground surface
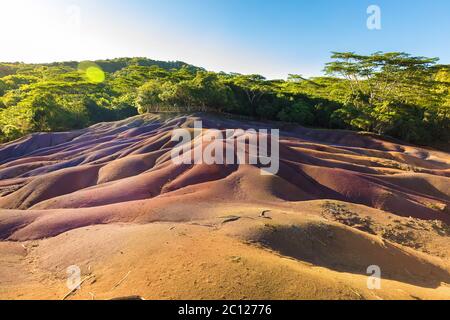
(110, 200)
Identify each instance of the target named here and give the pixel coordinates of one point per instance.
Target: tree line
(385, 93)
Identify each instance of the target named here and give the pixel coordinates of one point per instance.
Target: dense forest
(392, 94)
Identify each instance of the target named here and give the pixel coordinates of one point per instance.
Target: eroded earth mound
(110, 200)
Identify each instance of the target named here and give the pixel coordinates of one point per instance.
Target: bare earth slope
(110, 200)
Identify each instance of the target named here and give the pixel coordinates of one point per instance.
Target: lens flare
(92, 72)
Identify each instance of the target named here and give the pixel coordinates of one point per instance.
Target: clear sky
(272, 38)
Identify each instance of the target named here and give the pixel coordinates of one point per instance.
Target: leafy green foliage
(392, 93)
(299, 112)
(386, 93)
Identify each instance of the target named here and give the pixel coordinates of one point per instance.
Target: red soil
(122, 172)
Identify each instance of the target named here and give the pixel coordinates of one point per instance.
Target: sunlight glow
(228, 35)
(92, 72)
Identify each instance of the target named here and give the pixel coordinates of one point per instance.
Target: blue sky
(268, 37)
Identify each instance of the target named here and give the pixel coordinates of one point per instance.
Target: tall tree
(379, 81)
